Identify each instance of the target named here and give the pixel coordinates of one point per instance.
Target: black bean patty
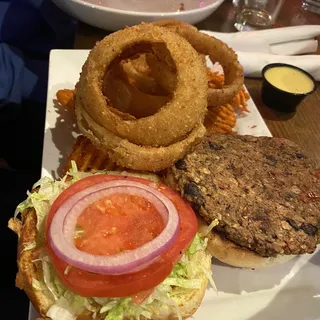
(264, 192)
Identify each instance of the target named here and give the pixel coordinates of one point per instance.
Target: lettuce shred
(29, 246)
(209, 228)
(186, 275)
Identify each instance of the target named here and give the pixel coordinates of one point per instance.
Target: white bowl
(131, 12)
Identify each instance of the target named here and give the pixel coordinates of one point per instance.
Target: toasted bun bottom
(187, 300)
(26, 230)
(228, 252)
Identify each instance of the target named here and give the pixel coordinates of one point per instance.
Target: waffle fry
(215, 79)
(88, 157)
(66, 98)
(239, 102)
(220, 119)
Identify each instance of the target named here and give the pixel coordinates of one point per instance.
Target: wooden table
(302, 128)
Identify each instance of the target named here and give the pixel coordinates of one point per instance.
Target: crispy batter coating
(121, 87)
(137, 71)
(172, 23)
(132, 156)
(217, 51)
(127, 98)
(166, 126)
(219, 119)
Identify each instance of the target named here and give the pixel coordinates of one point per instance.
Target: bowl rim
(280, 64)
(148, 14)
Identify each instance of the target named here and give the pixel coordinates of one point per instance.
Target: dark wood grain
(304, 126)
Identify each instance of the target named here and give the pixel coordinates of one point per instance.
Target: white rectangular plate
(290, 291)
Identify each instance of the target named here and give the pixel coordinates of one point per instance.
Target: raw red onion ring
(61, 231)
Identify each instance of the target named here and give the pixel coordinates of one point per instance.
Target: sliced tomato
(117, 223)
(95, 285)
(138, 298)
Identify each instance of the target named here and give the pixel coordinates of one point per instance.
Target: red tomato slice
(117, 223)
(138, 298)
(95, 285)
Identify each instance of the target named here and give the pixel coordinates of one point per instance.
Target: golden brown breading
(212, 122)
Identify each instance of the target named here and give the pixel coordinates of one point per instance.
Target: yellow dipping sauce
(289, 79)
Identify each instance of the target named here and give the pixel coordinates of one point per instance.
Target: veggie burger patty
(263, 191)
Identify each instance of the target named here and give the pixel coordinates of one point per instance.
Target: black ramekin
(278, 99)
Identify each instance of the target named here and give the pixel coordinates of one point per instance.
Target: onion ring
(129, 99)
(172, 23)
(138, 74)
(217, 51)
(189, 96)
(61, 232)
(132, 156)
(166, 78)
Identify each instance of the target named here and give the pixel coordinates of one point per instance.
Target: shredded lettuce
(109, 305)
(29, 246)
(179, 271)
(46, 266)
(184, 283)
(58, 285)
(196, 245)
(183, 277)
(76, 175)
(68, 305)
(186, 275)
(209, 276)
(37, 285)
(118, 310)
(42, 200)
(61, 310)
(209, 228)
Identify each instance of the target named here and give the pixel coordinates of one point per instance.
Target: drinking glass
(257, 14)
(311, 5)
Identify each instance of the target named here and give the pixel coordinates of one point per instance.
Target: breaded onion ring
(138, 74)
(172, 23)
(137, 71)
(217, 51)
(174, 120)
(132, 156)
(129, 99)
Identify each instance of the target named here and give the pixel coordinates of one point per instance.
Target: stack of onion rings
(217, 51)
(149, 142)
(129, 98)
(139, 74)
(155, 73)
